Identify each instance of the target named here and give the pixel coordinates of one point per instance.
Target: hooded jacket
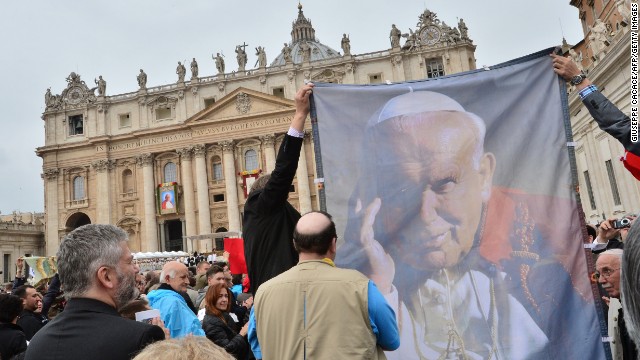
(176, 314)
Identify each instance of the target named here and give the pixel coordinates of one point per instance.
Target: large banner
(41, 268)
(456, 196)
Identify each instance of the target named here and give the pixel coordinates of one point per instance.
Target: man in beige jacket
(318, 311)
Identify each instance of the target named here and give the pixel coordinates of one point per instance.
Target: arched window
(250, 160)
(78, 188)
(127, 181)
(170, 173)
(216, 166)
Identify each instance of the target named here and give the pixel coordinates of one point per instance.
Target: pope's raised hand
(382, 266)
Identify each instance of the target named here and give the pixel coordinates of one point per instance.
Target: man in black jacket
(12, 340)
(29, 321)
(97, 271)
(269, 219)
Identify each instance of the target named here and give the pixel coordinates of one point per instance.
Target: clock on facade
(74, 95)
(430, 35)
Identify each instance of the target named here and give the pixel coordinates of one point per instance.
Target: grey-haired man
(97, 271)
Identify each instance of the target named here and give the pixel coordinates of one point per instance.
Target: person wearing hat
(446, 246)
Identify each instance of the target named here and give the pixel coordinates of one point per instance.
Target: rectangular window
(375, 79)
(76, 125)
(163, 113)
(587, 181)
(217, 171)
(78, 188)
(292, 188)
(125, 120)
(613, 183)
(435, 68)
(208, 102)
(250, 160)
(218, 197)
(170, 172)
(279, 92)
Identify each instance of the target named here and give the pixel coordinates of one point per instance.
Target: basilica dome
(303, 33)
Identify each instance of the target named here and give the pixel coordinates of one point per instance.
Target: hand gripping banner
(457, 197)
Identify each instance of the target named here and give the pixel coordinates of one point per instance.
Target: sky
(42, 41)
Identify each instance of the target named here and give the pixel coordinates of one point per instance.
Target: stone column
(185, 243)
(268, 141)
(187, 189)
(150, 243)
(144, 111)
(231, 186)
(163, 241)
(304, 195)
(349, 76)
(101, 123)
(195, 105)
(51, 207)
(204, 212)
(103, 193)
(397, 68)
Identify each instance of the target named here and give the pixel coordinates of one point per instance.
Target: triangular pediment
(243, 102)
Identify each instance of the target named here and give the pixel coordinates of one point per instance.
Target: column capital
(268, 140)
(103, 165)
(185, 152)
(51, 173)
(199, 150)
(396, 60)
(227, 146)
(145, 159)
(102, 108)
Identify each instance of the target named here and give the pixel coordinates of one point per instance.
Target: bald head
(608, 271)
(314, 233)
(312, 223)
(172, 266)
(176, 275)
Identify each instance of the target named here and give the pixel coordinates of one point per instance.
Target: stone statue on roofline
(394, 36)
(142, 79)
(219, 59)
(262, 57)
(102, 85)
(181, 71)
(194, 69)
(346, 45)
(286, 53)
(462, 27)
(241, 56)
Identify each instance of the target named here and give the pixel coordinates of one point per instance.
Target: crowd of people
(100, 305)
(111, 290)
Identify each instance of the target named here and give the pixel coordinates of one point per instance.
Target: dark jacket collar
(27, 313)
(87, 304)
(165, 286)
(10, 326)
